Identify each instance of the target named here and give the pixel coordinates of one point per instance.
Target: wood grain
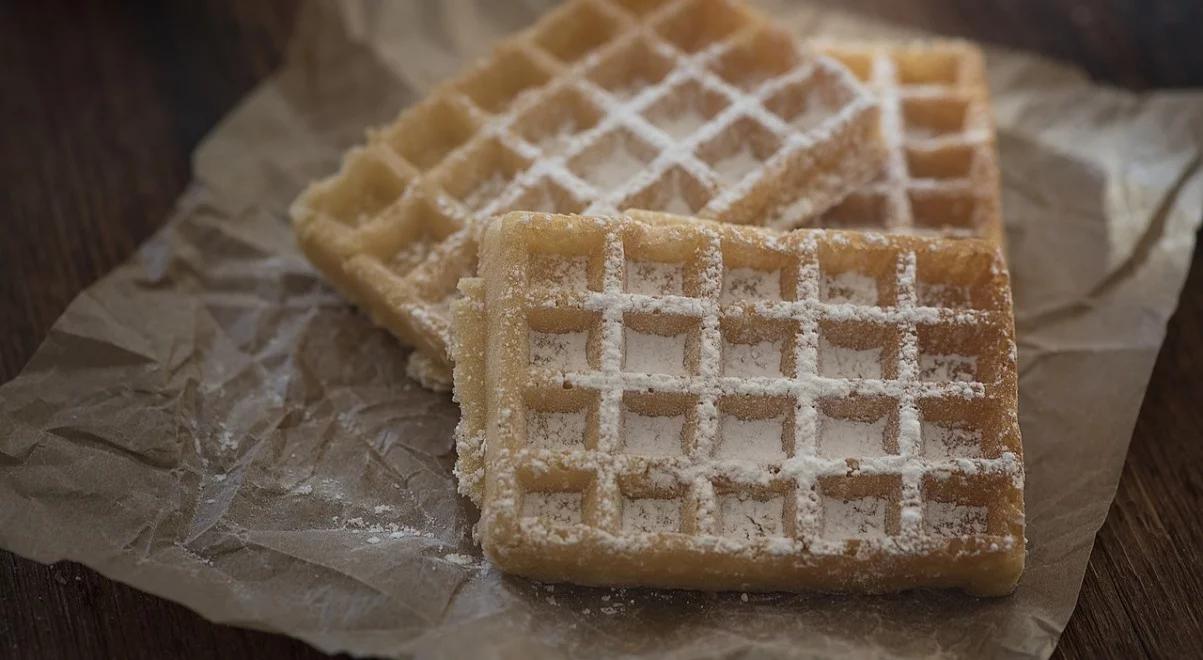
(102, 104)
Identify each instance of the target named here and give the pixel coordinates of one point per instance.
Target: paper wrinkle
(212, 423)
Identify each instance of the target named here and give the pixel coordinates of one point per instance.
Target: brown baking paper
(211, 423)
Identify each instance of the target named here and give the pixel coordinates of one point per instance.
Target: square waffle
(941, 173)
(672, 403)
(695, 106)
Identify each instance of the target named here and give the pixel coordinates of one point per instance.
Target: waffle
(686, 404)
(696, 106)
(941, 173)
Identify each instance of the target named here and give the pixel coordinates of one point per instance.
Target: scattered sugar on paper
(751, 439)
(850, 438)
(654, 354)
(842, 362)
(750, 284)
(654, 278)
(759, 359)
(650, 435)
(850, 287)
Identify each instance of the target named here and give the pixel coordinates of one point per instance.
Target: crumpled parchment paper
(211, 423)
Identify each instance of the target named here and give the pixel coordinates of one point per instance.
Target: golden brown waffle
(696, 106)
(941, 174)
(677, 403)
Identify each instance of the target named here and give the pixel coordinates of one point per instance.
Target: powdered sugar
(861, 518)
(563, 351)
(843, 362)
(758, 359)
(751, 439)
(556, 430)
(652, 435)
(944, 368)
(849, 287)
(750, 284)
(950, 441)
(654, 278)
(741, 416)
(552, 508)
(654, 354)
(840, 438)
(746, 518)
(953, 519)
(569, 272)
(486, 191)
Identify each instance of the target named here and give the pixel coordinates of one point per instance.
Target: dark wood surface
(102, 103)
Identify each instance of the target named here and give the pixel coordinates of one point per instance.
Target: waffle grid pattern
(941, 174)
(697, 106)
(807, 494)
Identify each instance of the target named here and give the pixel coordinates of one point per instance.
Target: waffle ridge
(599, 106)
(869, 402)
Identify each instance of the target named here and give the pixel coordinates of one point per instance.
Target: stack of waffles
(686, 385)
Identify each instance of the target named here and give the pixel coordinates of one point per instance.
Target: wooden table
(101, 107)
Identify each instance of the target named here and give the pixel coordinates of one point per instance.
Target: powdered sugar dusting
(947, 368)
(955, 519)
(552, 508)
(840, 438)
(651, 515)
(563, 351)
(843, 362)
(737, 164)
(654, 354)
(736, 457)
(862, 518)
(569, 272)
(950, 441)
(556, 430)
(751, 439)
(850, 287)
(655, 279)
(652, 435)
(758, 359)
(745, 518)
(750, 284)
